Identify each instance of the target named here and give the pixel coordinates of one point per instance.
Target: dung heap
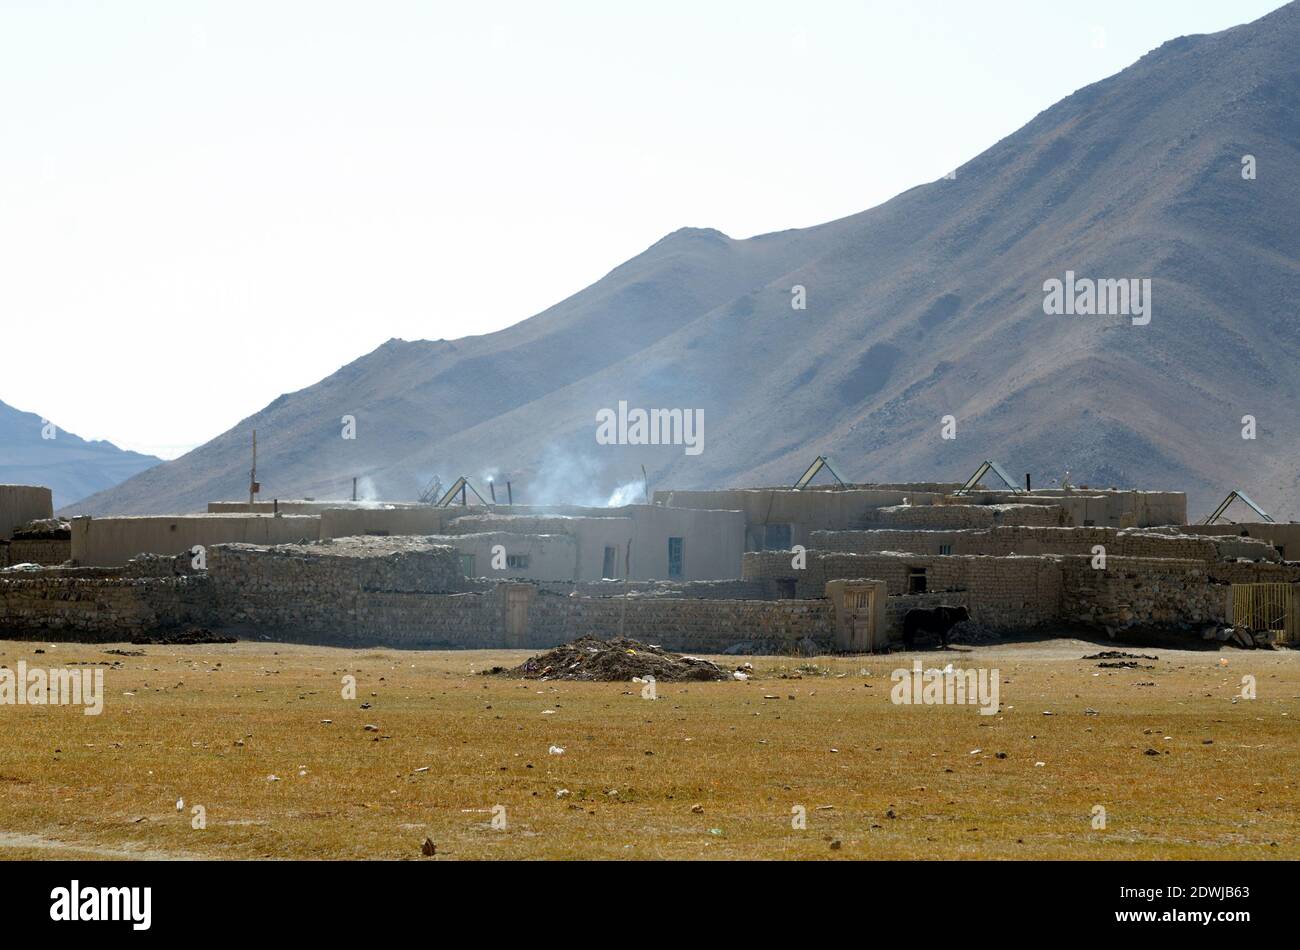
(615, 660)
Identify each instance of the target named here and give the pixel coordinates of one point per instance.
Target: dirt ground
(807, 758)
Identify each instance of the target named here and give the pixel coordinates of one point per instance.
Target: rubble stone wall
(1134, 592)
(99, 609)
(410, 592)
(1008, 593)
(677, 624)
(48, 552)
(964, 516)
(1002, 541)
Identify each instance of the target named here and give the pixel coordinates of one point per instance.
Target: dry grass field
(708, 770)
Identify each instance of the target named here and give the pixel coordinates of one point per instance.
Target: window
(674, 558)
(519, 561)
(467, 565)
(787, 587)
(768, 537)
(776, 537)
(916, 580)
(610, 569)
(945, 549)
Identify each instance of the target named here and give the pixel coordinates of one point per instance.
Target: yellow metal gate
(1266, 607)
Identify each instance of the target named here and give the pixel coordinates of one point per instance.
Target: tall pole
(627, 583)
(252, 475)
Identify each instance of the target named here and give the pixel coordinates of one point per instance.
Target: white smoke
(628, 494)
(575, 479)
(368, 492)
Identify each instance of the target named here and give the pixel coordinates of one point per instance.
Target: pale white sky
(204, 205)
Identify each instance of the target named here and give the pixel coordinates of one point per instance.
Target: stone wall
(896, 608)
(679, 624)
(690, 590)
(411, 592)
(66, 605)
(477, 620)
(1096, 506)
(1006, 593)
(964, 516)
(1134, 592)
(1006, 540)
(320, 589)
(48, 552)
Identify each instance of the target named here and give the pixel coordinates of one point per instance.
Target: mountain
(35, 453)
(929, 305)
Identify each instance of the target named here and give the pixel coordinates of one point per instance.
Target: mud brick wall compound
(410, 592)
(1012, 593)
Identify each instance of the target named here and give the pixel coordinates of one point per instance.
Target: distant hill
(926, 306)
(70, 466)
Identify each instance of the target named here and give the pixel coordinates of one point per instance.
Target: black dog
(937, 620)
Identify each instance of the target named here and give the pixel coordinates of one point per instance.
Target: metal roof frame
(988, 465)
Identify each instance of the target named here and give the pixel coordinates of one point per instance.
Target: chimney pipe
(510, 496)
(1028, 484)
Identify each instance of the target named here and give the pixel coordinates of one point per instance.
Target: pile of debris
(616, 660)
(1241, 637)
(44, 529)
(193, 637)
(1119, 660)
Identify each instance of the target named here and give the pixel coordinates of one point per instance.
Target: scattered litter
(191, 637)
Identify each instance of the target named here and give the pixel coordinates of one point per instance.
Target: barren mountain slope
(929, 305)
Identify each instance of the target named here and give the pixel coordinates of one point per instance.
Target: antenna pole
(252, 475)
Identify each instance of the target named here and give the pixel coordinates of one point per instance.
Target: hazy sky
(204, 205)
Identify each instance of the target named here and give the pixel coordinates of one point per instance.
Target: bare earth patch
(261, 737)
